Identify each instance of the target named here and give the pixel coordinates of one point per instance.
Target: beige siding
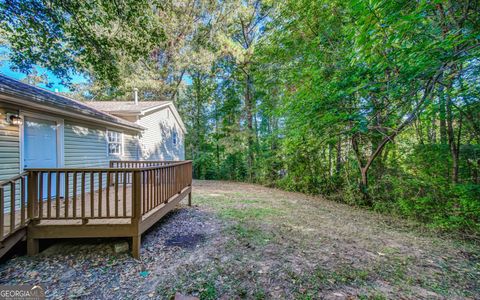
(156, 141)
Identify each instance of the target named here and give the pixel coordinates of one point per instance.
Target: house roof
(123, 108)
(127, 106)
(17, 92)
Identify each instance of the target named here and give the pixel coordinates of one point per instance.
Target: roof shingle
(125, 106)
(19, 90)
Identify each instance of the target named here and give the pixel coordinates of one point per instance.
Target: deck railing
(13, 205)
(160, 183)
(81, 193)
(122, 200)
(122, 164)
(90, 193)
(107, 193)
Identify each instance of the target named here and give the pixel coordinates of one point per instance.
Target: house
(74, 169)
(163, 137)
(39, 128)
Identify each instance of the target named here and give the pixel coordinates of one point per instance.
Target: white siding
(156, 140)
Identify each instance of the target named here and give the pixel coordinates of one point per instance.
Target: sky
(56, 86)
(5, 69)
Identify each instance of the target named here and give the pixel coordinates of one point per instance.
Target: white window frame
(107, 137)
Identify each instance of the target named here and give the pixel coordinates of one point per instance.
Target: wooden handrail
(105, 193)
(142, 194)
(146, 161)
(90, 193)
(105, 169)
(14, 178)
(13, 204)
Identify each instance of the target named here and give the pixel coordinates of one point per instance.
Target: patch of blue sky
(55, 83)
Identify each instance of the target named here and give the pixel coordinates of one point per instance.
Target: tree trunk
(454, 151)
(364, 182)
(338, 165)
(249, 109)
(433, 128)
(198, 107)
(330, 157)
(443, 125)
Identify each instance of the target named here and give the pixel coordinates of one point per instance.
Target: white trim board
(60, 137)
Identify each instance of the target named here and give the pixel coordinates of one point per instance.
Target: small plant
(250, 233)
(208, 291)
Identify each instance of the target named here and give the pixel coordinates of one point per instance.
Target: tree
(79, 36)
(120, 45)
(239, 42)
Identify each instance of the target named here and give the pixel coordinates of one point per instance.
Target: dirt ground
(248, 241)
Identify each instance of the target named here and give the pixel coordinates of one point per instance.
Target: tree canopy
(373, 103)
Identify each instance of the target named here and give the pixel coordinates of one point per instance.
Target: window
(114, 143)
(174, 137)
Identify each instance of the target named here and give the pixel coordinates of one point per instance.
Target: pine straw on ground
(247, 241)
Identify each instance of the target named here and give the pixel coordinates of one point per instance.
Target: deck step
(10, 241)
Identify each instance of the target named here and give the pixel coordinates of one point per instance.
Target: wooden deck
(121, 201)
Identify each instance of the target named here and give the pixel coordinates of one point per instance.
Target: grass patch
(223, 200)
(342, 276)
(251, 234)
(208, 291)
(243, 214)
(373, 296)
(322, 279)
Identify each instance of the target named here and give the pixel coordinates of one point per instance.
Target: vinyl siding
(130, 147)
(9, 155)
(156, 142)
(86, 146)
(9, 146)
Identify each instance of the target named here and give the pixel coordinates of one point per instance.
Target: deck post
(32, 194)
(137, 213)
(32, 246)
(136, 245)
(190, 199)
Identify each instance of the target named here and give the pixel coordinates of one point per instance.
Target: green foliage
(341, 88)
(208, 291)
(79, 35)
(372, 103)
(424, 192)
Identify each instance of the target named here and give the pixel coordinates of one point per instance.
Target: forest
(374, 103)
